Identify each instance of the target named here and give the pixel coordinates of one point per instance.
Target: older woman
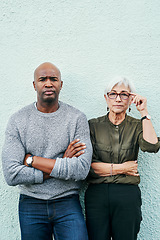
(113, 198)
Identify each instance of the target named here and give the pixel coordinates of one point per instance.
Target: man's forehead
(47, 69)
(47, 72)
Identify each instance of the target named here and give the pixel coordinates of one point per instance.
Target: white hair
(118, 81)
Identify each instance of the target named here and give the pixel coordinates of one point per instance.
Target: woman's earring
(129, 109)
(107, 109)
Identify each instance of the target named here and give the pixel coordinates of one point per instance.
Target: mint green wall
(90, 41)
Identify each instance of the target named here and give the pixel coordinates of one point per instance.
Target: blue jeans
(43, 219)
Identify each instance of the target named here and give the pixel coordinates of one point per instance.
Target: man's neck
(47, 107)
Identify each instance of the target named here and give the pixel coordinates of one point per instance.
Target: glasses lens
(112, 95)
(124, 96)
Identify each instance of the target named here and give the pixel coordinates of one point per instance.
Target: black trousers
(113, 210)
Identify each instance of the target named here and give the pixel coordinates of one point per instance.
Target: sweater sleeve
(76, 168)
(13, 154)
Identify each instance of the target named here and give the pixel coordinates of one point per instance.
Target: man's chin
(49, 100)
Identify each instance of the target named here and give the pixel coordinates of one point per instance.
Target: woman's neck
(116, 118)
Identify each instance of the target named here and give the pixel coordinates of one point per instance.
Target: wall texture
(90, 41)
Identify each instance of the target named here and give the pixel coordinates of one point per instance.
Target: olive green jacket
(117, 144)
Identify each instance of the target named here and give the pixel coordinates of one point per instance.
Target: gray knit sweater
(46, 135)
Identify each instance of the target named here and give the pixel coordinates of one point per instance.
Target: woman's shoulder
(133, 120)
(100, 119)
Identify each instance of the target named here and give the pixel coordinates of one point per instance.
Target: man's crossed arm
(46, 165)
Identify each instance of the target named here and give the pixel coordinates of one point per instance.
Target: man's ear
(61, 84)
(34, 85)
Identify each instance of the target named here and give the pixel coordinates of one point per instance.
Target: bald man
(47, 152)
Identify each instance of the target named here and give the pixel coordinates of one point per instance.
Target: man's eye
(53, 79)
(112, 94)
(42, 79)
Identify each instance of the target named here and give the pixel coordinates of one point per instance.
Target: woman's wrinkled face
(118, 99)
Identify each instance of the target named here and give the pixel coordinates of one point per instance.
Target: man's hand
(46, 176)
(74, 149)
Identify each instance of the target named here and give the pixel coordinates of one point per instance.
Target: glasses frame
(119, 94)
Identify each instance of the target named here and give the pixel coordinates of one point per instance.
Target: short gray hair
(118, 81)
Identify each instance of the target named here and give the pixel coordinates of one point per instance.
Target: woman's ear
(129, 104)
(130, 99)
(106, 101)
(105, 97)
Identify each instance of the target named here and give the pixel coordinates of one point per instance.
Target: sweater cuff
(55, 170)
(38, 176)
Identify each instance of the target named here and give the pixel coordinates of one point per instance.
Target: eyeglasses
(122, 95)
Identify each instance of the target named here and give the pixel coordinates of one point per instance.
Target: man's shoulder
(23, 112)
(71, 109)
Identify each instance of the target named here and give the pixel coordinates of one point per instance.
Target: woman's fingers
(131, 168)
(139, 101)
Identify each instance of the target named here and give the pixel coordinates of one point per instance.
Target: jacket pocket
(104, 152)
(128, 151)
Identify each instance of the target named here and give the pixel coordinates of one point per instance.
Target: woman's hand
(140, 102)
(130, 168)
(74, 149)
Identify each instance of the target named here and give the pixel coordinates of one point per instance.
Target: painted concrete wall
(90, 41)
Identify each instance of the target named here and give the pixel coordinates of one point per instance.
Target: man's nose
(48, 83)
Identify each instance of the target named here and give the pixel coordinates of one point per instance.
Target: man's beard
(50, 100)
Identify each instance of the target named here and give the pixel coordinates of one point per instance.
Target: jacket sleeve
(95, 157)
(76, 168)
(147, 146)
(13, 154)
